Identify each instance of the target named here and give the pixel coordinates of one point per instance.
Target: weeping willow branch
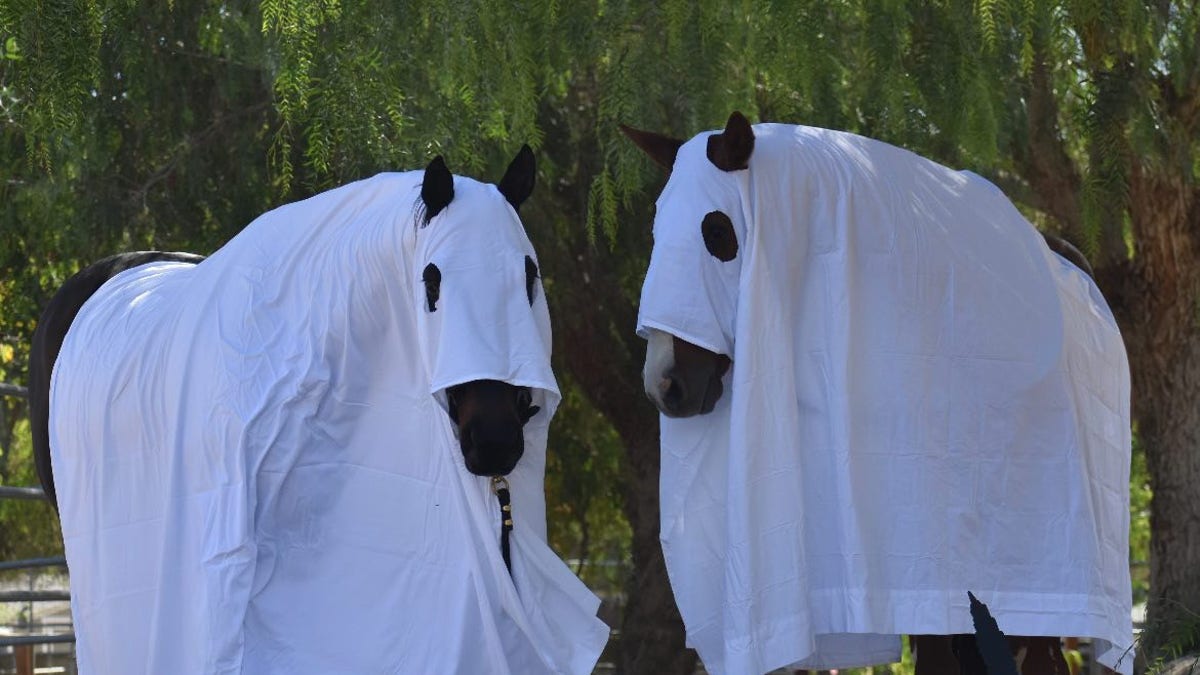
(191, 143)
(1042, 158)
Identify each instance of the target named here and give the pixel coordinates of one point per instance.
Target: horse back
(48, 337)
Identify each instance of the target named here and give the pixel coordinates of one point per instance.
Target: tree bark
(608, 368)
(1042, 156)
(594, 312)
(1157, 298)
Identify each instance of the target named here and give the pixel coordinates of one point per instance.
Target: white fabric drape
(256, 471)
(924, 401)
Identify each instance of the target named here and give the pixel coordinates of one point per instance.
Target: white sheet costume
(924, 401)
(256, 471)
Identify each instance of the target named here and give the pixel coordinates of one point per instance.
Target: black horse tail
(1065, 249)
(48, 338)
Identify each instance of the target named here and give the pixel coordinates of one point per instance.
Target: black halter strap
(500, 489)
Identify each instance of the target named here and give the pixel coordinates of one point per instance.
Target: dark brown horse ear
(517, 184)
(730, 150)
(662, 149)
(437, 188)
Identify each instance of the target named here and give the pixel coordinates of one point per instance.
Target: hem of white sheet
(682, 335)
(784, 642)
(446, 383)
(858, 659)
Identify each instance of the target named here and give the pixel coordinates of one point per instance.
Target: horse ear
(730, 150)
(437, 188)
(517, 184)
(661, 149)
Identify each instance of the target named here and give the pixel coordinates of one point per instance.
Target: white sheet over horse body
(275, 486)
(924, 401)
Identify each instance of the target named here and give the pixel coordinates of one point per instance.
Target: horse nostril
(492, 449)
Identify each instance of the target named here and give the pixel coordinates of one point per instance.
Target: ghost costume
(924, 401)
(256, 470)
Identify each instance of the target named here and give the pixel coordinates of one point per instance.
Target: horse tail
(1065, 249)
(48, 338)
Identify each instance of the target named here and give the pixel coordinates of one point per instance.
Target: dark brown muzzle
(491, 417)
(691, 384)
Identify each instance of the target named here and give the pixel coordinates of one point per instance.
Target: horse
(309, 450)
(924, 310)
(494, 412)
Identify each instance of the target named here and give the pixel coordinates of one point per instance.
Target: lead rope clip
(500, 489)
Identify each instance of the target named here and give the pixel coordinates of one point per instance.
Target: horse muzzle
(683, 380)
(491, 449)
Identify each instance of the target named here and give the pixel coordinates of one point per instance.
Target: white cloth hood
(924, 401)
(703, 315)
(274, 485)
(482, 327)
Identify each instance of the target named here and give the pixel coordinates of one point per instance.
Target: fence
(22, 646)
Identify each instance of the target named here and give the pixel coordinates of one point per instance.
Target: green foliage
(71, 30)
(128, 124)
(12, 49)
(28, 529)
(583, 469)
(1140, 497)
(904, 667)
(1177, 639)
(358, 86)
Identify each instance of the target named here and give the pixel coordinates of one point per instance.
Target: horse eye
(432, 278)
(531, 277)
(719, 237)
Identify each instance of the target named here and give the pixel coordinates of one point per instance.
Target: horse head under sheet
(683, 373)
(278, 458)
(480, 292)
(700, 236)
(493, 412)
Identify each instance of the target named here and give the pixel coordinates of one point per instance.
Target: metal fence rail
(23, 644)
(10, 491)
(31, 563)
(14, 492)
(35, 596)
(31, 640)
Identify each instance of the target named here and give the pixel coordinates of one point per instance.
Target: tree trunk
(1157, 300)
(594, 317)
(1155, 296)
(652, 638)
(1169, 428)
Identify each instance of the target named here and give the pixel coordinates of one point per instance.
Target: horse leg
(934, 655)
(48, 338)
(1043, 655)
(958, 654)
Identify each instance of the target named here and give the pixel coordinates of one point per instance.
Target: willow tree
(185, 118)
